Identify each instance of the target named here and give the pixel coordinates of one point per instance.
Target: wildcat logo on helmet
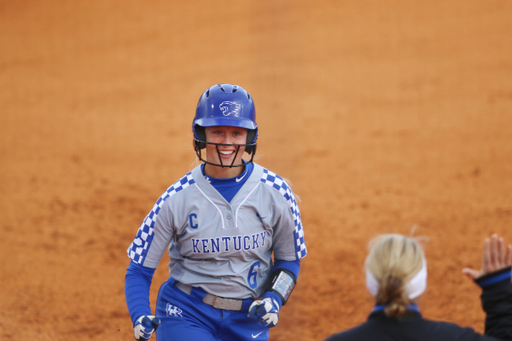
(229, 108)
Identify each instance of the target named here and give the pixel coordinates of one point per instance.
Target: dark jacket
(496, 300)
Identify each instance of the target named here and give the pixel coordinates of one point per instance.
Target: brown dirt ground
(384, 115)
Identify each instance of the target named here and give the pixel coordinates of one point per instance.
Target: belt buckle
(222, 303)
(214, 302)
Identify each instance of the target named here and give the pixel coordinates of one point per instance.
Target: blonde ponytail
(394, 260)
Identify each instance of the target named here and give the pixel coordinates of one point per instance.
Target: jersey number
(251, 278)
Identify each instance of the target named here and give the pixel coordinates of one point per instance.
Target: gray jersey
(224, 248)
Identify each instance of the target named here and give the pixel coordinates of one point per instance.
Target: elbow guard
(282, 282)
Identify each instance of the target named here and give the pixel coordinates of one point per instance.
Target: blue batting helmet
(225, 105)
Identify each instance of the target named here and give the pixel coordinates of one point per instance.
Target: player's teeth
(226, 152)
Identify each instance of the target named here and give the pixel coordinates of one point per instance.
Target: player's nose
(228, 139)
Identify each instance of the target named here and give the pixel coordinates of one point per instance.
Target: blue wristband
(495, 277)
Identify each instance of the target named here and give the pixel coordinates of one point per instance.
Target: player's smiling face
(231, 137)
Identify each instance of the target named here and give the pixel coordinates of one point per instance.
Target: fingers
(155, 322)
(471, 273)
(508, 256)
(265, 312)
(145, 326)
(498, 253)
(253, 308)
(252, 312)
(486, 256)
(495, 256)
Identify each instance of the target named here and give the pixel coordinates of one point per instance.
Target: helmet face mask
(225, 105)
(238, 146)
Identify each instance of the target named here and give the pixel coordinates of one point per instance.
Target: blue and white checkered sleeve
(138, 249)
(272, 179)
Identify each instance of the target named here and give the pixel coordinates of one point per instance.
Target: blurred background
(383, 115)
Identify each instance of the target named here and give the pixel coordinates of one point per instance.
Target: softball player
(233, 233)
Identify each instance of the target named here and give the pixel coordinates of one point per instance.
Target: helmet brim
(226, 121)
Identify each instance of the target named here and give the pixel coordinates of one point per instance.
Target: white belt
(215, 301)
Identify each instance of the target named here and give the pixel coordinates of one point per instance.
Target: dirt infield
(384, 115)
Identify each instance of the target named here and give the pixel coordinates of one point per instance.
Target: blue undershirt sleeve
(136, 289)
(293, 266)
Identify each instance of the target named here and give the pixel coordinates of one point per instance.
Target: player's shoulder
(180, 185)
(274, 182)
(271, 178)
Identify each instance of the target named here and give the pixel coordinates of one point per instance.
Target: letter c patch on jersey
(192, 219)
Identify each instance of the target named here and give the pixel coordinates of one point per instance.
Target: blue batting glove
(265, 310)
(145, 326)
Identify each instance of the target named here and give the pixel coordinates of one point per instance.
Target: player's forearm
(137, 283)
(497, 303)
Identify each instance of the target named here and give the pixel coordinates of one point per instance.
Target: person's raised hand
(495, 256)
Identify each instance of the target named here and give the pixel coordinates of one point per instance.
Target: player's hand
(266, 311)
(495, 256)
(145, 326)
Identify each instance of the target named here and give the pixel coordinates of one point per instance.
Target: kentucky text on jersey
(228, 243)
